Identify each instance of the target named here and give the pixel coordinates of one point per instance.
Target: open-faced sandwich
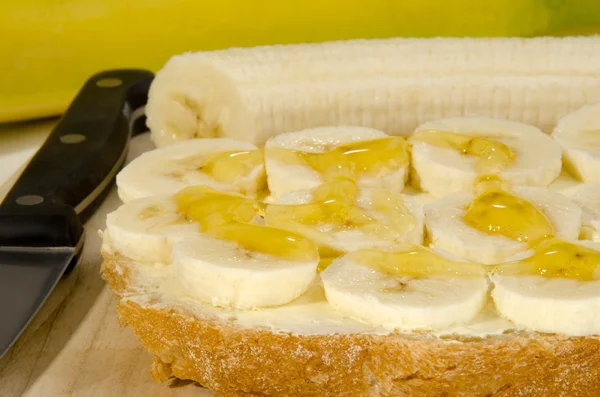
(369, 218)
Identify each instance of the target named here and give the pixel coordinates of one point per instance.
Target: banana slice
(579, 135)
(588, 198)
(447, 229)
(304, 159)
(246, 273)
(556, 305)
(222, 164)
(535, 161)
(145, 229)
(415, 290)
(400, 219)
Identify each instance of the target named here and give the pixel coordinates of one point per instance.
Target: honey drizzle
(273, 241)
(211, 208)
(372, 157)
(496, 211)
(493, 211)
(226, 216)
(335, 205)
(556, 258)
(414, 261)
(494, 156)
(227, 166)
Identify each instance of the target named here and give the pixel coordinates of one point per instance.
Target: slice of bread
(239, 361)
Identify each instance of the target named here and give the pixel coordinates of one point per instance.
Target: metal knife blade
(41, 218)
(38, 269)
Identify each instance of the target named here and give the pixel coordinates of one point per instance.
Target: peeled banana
(392, 85)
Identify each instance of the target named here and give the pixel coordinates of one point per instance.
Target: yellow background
(48, 48)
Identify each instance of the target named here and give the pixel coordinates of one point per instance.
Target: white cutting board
(75, 347)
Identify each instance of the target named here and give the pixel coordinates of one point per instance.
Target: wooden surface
(75, 346)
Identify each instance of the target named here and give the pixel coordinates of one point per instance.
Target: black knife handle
(75, 163)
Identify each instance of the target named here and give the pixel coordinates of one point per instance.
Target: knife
(42, 216)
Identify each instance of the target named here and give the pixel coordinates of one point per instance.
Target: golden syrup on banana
(340, 188)
(228, 166)
(372, 157)
(414, 261)
(226, 216)
(335, 205)
(391, 205)
(210, 208)
(494, 156)
(334, 208)
(327, 255)
(496, 211)
(268, 240)
(555, 258)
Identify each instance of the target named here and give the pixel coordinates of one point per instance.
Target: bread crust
(234, 361)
